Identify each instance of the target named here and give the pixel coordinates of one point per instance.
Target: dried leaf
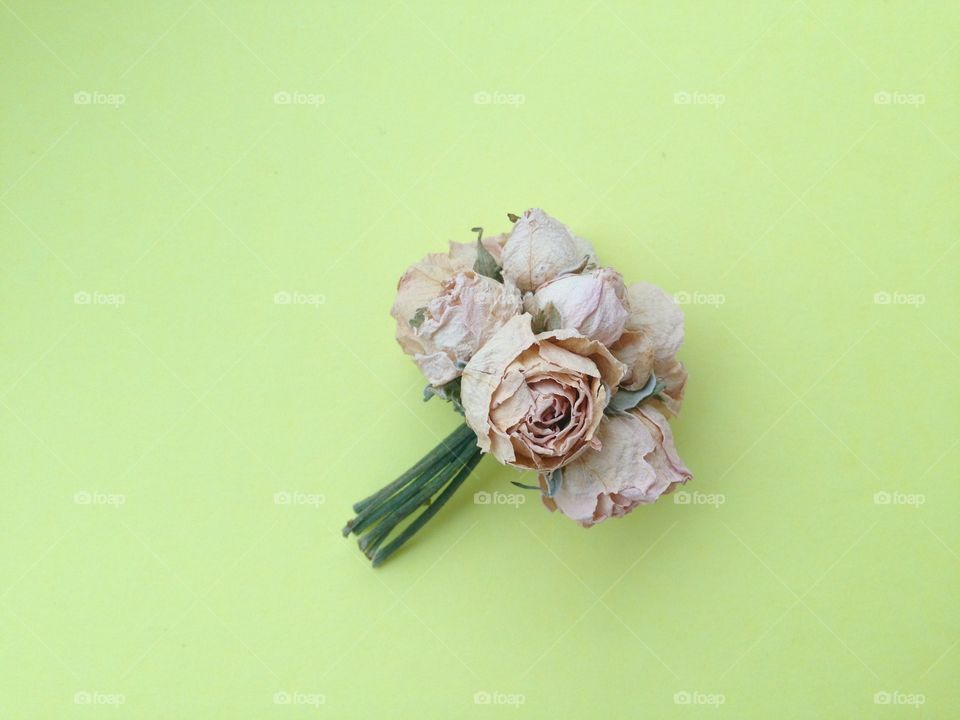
(418, 317)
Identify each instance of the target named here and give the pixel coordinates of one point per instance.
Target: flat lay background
(204, 210)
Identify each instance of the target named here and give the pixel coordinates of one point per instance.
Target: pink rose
(445, 312)
(637, 465)
(541, 248)
(594, 304)
(535, 401)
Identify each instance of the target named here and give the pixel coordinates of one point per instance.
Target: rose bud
(445, 312)
(594, 304)
(541, 248)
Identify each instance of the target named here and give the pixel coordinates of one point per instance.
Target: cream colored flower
(594, 304)
(541, 248)
(637, 465)
(652, 336)
(535, 401)
(445, 312)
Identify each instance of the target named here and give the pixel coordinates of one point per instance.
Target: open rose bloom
(536, 401)
(558, 366)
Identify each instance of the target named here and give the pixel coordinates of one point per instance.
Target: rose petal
(619, 465)
(486, 368)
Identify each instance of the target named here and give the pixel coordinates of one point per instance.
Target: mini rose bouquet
(557, 367)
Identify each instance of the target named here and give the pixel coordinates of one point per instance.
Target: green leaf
(485, 264)
(553, 482)
(547, 318)
(626, 400)
(524, 485)
(449, 392)
(418, 317)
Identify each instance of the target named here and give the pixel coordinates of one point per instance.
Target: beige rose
(652, 336)
(541, 248)
(535, 401)
(594, 304)
(638, 464)
(454, 311)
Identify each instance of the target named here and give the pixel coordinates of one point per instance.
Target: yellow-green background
(194, 403)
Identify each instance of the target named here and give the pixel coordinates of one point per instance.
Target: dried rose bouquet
(556, 365)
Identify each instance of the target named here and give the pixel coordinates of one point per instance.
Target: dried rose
(653, 334)
(594, 304)
(445, 312)
(541, 248)
(535, 401)
(638, 464)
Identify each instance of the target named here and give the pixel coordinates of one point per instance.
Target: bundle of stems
(431, 482)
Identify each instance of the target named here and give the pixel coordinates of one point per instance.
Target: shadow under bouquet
(557, 367)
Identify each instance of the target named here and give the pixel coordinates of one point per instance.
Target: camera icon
(882, 498)
(881, 698)
(482, 98)
(282, 498)
(282, 98)
(82, 698)
(82, 498)
(682, 497)
(681, 298)
(82, 97)
(882, 298)
(482, 498)
(81, 298)
(282, 698)
(882, 98)
(282, 298)
(681, 98)
(482, 698)
(682, 698)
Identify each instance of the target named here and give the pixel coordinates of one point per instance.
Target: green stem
(378, 509)
(422, 519)
(442, 470)
(423, 490)
(452, 440)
